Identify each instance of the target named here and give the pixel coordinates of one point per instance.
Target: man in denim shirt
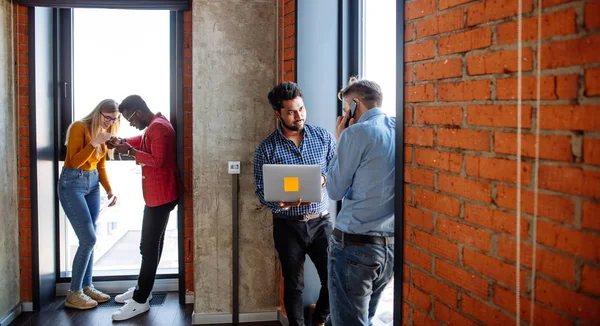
(298, 228)
(361, 248)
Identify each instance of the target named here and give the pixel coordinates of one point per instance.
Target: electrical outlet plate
(233, 167)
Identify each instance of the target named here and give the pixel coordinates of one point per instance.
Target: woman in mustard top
(79, 194)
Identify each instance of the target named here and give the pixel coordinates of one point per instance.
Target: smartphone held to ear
(352, 110)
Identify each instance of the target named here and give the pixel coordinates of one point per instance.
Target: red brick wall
(188, 200)
(287, 40)
(22, 95)
(461, 170)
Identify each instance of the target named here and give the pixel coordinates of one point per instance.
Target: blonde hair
(93, 121)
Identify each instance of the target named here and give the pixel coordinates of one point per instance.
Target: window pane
(379, 65)
(118, 53)
(379, 48)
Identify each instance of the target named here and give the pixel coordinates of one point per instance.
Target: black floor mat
(157, 300)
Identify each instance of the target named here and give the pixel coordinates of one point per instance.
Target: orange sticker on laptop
(291, 184)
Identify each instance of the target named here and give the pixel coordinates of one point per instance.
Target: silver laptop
(287, 183)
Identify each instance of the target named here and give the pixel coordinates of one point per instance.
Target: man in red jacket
(155, 151)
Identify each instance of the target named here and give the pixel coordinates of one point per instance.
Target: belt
(362, 239)
(304, 217)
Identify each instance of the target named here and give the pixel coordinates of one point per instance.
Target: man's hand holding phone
(124, 148)
(344, 122)
(113, 142)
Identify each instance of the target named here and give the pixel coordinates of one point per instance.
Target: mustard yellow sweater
(82, 155)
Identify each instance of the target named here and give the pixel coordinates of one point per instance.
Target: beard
(293, 127)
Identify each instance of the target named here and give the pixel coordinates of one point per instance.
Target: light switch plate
(233, 167)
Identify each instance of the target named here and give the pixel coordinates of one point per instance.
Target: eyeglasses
(131, 116)
(109, 118)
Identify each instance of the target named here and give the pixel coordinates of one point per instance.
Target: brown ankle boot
(100, 297)
(79, 300)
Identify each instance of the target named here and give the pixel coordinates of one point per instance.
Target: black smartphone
(110, 143)
(352, 111)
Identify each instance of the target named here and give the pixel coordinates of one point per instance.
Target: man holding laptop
(300, 227)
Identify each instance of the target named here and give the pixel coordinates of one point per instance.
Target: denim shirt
(363, 175)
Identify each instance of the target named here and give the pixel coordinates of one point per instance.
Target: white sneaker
(128, 295)
(130, 310)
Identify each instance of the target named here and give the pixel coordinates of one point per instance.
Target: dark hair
(283, 92)
(367, 91)
(133, 102)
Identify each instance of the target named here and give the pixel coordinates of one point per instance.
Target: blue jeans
(79, 194)
(358, 275)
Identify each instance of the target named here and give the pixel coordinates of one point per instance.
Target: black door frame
(399, 187)
(177, 121)
(63, 111)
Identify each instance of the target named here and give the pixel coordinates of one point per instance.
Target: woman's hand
(112, 198)
(100, 138)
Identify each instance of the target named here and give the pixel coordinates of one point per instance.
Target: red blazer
(157, 154)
